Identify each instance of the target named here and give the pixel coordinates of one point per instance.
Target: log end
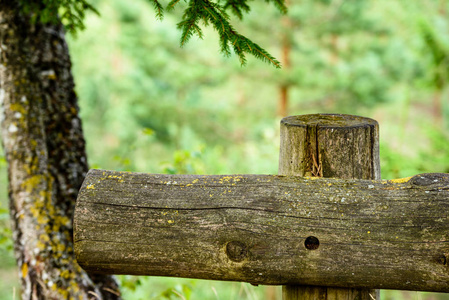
(328, 120)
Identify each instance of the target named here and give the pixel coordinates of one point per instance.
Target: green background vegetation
(150, 106)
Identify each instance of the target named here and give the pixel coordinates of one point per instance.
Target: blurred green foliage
(5, 231)
(149, 106)
(157, 288)
(71, 12)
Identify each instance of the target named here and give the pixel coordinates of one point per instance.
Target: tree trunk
(45, 150)
(286, 63)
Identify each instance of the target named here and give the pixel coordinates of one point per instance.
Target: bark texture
(329, 145)
(45, 150)
(259, 229)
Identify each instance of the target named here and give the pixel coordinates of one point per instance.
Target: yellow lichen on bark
(33, 183)
(400, 180)
(24, 270)
(229, 179)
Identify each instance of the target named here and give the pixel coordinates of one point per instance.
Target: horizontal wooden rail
(267, 229)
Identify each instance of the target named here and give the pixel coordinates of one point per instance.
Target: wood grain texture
(324, 293)
(329, 145)
(252, 228)
(343, 146)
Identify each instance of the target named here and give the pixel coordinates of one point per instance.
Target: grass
(9, 281)
(181, 288)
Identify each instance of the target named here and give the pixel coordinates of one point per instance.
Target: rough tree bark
(45, 150)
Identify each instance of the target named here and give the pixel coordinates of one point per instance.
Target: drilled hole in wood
(312, 243)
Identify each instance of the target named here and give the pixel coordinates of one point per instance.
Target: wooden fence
(322, 238)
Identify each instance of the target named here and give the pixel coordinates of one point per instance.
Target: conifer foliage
(196, 13)
(215, 14)
(71, 12)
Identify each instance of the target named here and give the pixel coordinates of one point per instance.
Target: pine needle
(172, 5)
(159, 10)
(213, 13)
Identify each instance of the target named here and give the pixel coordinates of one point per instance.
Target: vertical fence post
(323, 145)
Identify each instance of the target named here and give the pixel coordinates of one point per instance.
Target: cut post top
(329, 120)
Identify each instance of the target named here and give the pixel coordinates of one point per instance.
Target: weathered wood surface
(329, 145)
(253, 228)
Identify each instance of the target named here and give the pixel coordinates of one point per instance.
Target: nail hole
(312, 243)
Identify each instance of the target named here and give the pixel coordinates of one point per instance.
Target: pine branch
(238, 7)
(280, 5)
(244, 45)
(190, 24)
(212, 13)
(171, 5)
(159, 10)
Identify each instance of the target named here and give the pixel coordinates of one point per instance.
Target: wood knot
(442, 259)
(236, 251)
(430, 179)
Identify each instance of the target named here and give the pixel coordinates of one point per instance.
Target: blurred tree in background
(150, 106)
(44, 149)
